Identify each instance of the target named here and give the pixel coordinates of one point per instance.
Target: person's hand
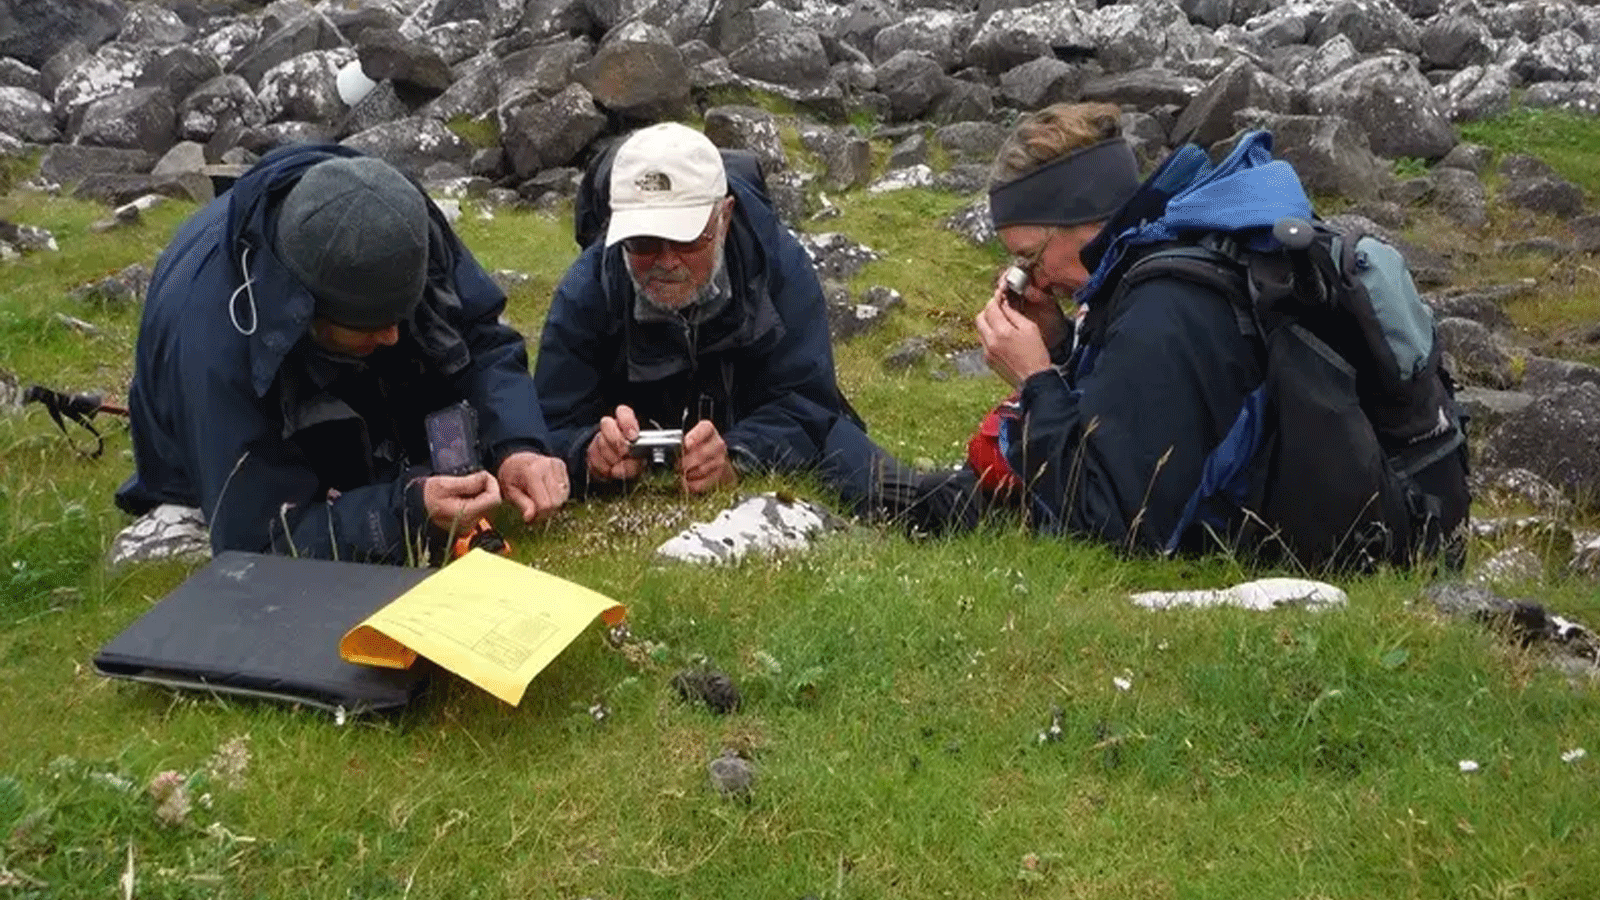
(607, 456)
(535, 484)
(1042, 308)
(704, 464)
(1011, 343)
(456, 502)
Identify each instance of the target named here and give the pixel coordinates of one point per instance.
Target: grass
(896, 691)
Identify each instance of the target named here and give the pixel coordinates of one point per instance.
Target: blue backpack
(1352, 450)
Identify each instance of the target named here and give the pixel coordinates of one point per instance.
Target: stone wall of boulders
(174, 97)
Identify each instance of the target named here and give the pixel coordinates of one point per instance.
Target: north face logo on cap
(651, 182)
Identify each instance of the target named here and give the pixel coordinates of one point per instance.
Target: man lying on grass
(297, 332)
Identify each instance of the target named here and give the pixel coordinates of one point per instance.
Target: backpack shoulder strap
(1214, 263)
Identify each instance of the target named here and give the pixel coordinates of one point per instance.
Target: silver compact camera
(660, 446)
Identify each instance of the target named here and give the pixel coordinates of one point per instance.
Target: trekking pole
(80, 408)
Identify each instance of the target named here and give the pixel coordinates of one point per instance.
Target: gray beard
(708, 300)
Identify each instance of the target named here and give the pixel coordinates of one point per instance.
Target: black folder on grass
(268, 626)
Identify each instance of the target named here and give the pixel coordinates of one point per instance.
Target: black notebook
(268, 626)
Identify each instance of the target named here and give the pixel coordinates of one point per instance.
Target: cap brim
(680, 224)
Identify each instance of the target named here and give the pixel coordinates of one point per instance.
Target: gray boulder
(1460, 196)
(861, 22)
(1040, 82)
(231, 42)
(455, 42)
(1542, 375)
(27, 116)
(1558, 56)
(114, 68)
(1554, 437)
(226, 100)
(147, 23)
(1479, 358)
(67, 164)
(1474, 158)
(552, 133)
(305, 88)
(836, 257)
(1208, 118)
(1577, 97)
(1011, 37)
(381, 104)
(140, 119)
(412, 145)
(1545, 195)
(1143, 88)
(543, 19)
(795, 58)
(474, 95)
(1522, 166)
(179, 69)
(1586, 234)
(304, 33)
(637, 81)
(34, 30)
(1128, 36)
(971, 141)
(1477, 92)
(972, 222)
(913, 82)
(416, 69)
(1388, 97)
(942, 34)
(1372, 26)
(1456, 42)
(537, 74)
(56, 69)
(911, 150)
(748, 128)
(18, 74)
(963, 101)
(1490, 408)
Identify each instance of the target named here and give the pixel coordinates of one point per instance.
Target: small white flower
(1574, 755)
(1468, 765)
(1122, 684)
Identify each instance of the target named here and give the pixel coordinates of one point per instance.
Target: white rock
(763, 524)
(169, 531)
(1263, 594)
(353, 83)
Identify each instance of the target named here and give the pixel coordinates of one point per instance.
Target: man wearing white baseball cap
(698, 311)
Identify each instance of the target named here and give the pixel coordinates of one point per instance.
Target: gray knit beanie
(354, 231)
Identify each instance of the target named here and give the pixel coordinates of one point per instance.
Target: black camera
(660, 446)
(453, 440)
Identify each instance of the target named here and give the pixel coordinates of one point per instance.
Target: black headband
(1084, 186)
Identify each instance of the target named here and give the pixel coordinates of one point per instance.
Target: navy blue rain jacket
(1115, 451)
(219, 419)
(761, 370)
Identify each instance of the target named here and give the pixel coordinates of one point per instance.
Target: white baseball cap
(665, 181)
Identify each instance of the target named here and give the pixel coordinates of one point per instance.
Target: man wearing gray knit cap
(297, 333)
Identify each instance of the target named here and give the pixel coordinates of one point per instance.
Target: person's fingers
(628, 469)
(616, 439)
(702, 432)
(627, 422)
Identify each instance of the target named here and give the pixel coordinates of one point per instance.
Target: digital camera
(660, 446)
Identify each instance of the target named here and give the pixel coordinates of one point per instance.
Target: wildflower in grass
(230, 761)
(171, 792)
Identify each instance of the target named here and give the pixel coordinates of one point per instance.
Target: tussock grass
(895, 691)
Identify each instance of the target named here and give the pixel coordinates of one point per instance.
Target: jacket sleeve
(496, 382)
(571, 387)
(798, 397)
(1116, 456)
(257, 491)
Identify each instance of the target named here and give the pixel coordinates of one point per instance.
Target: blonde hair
(1051, 133)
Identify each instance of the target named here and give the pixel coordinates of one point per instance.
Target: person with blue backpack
(1234, 374)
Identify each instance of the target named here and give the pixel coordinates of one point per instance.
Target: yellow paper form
(494, 622)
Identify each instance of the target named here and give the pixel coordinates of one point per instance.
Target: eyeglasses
(1030, 261)
(644, 245)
